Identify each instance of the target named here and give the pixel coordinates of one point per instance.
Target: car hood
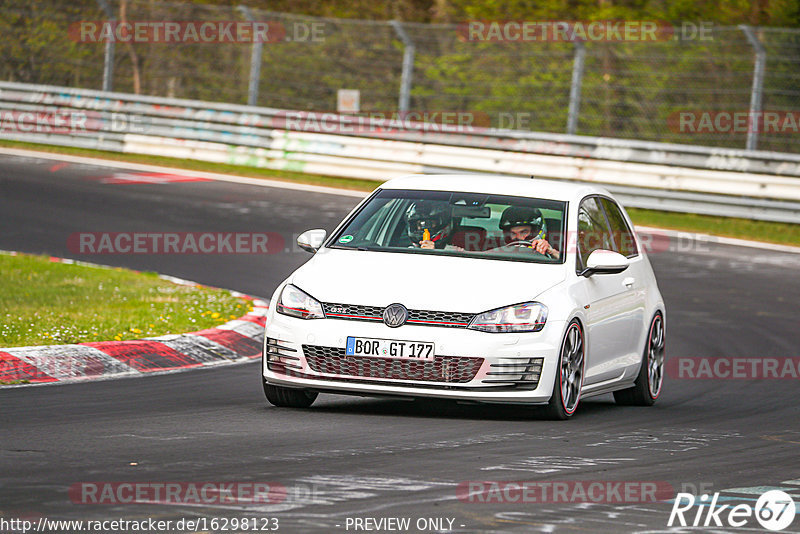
(424, 282)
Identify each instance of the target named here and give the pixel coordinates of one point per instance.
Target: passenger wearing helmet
(524, 226)
(435, 217)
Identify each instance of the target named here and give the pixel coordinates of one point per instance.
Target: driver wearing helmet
(433, 217)
(524, 226)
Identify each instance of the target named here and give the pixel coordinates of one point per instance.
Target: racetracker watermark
(384, 121)
(582, 30)
(733, 368)
(573, 491)
(196, 31)
(68, 121)
(734, 122)
(53, 122)
(177, 493)
(176, 243)
(652, 241)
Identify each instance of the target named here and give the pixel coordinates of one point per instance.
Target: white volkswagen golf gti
(473, 288)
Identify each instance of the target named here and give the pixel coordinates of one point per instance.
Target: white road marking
(554, 464)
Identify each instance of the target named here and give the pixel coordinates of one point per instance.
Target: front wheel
(569, 379)
(648, 383)
(289, 397)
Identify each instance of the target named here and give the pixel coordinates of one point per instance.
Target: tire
(648, 383)
(569, 375)
(289, 397)
(286, 397)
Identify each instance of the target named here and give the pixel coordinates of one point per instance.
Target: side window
(593, 231)
(623, 236)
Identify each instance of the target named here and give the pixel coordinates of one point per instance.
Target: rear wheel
(569, 377)
(648, 383)
(289, 397)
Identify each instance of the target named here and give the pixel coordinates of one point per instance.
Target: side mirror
(311, 240)
(603, 261)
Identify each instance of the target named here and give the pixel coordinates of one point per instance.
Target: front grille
(437, 318)
(356, 312)
(353, 312)
(450, 369)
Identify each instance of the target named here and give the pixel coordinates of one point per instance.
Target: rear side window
(593, 230)
(623, 236)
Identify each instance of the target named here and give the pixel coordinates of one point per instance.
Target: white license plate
(389, 348)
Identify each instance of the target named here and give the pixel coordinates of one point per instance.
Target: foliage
(630, 89)
(46, 303)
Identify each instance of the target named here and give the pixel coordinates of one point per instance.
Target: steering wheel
(520, 244)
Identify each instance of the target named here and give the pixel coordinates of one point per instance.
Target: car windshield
(457, 224)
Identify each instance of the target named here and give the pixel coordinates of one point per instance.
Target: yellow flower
(136, 331)
(214, 315)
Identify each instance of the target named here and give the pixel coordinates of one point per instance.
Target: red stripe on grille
(434, 322)
(371, 318)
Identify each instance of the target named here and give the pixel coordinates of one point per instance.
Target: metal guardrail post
(108, 59)
(255, 62)
(408, 65)
(755, 121)
(575, 87)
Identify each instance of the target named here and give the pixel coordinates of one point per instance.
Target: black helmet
(430, 215)
(523, 216)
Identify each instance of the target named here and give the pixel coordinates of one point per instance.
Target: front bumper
(469, 365)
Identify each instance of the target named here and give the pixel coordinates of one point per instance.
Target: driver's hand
(542, 246)
(426, 244)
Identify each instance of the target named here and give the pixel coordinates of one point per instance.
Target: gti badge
(395, 315)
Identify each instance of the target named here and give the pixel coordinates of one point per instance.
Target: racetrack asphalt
(350, 457)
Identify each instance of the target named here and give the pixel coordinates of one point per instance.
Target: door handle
(628, 282)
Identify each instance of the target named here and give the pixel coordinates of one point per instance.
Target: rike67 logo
(774, 510)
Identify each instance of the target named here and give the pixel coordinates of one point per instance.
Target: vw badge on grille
(395, 315)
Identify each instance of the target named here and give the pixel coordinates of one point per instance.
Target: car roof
(497, 185)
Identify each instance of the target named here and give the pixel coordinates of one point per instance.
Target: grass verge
(49, 303)
(767, 231)
(771, 232)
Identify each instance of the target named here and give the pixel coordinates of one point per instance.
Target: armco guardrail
(759, 185)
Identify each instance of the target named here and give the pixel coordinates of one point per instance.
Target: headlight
(298, 303)
(525, 317)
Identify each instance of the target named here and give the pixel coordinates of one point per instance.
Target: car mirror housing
(605, 262)
(311, 240)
